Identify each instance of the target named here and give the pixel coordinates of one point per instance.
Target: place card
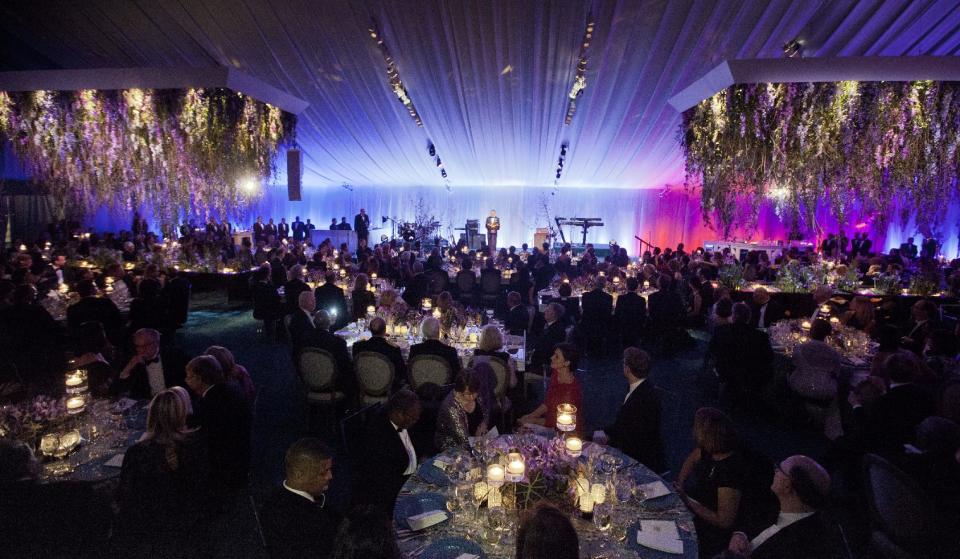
(655, 489)
(426, 519)
(115, 462)
(661, 535)
(467, 556)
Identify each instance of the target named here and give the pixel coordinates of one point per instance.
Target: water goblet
(624, 487)
(602, 517)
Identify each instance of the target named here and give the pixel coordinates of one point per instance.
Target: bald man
(802, 487)
(296, 521)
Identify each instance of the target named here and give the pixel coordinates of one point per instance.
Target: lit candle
(586, 504)
(75, 404)
(646, 284)
(426, 304)
(574, 446)
(23, 248)
(515, 467)
(564, 420)
(805, 324)
(436, 313)
(599, 493)
(495, 475)
(834, 320)
(825, 309)
(616, 280)
(373, 276)
(76, 382)
(371, 310)
(343, 273)
(566, 417)
(566, 280)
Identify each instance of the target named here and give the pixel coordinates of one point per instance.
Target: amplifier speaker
(293, 175)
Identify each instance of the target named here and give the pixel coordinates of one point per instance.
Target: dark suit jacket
(597, 307)
(636, 431)
(891, 421)
(393, 353)
(810, 538)
(225, 422)
(416, 290)
(300, 328)
(518, 320)
(543, 350)
(294, 527)
(283, 230)
(173, 362)
(291, 294)
(361, 224)
(100, 309)
(631, 316)
(257, 232)
(440, 349)
(665, 309)
(176, 294)
(330, 297)
(743, 355)
(773, 313)
(383, 461)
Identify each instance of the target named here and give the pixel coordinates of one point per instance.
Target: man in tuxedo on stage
(151, 369)
(493, 226)
(798, 531)
(361, 224)
(343, 225)
(297, 228)
(518, 318)
(636, 431)
(258, 230)
(378, 344)
(283, 229)
(388, 456)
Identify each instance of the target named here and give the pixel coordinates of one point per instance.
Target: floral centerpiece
(923, 285)
(887, 284)
(731, 275)
(26, 419)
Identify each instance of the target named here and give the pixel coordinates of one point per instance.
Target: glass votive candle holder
(76, 404)
(426, 304)
(566, 417)
(371, 310)
(805, 324)
(76, 382)
(573, 447)
(516, 467)
(495, 475)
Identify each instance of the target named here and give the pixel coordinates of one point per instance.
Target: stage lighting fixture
(793, 49)
(431, 149)
(383, 219)
(249, 185)
(439, 163)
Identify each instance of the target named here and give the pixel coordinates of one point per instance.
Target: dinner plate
(450, 548)
(432, 474)
(412, 505)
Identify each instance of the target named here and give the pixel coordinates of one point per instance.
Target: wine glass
(602, 516)
(624, 488)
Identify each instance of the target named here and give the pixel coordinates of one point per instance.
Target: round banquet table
(464, 531)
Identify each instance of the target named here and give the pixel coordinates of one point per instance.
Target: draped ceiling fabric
(490, 81)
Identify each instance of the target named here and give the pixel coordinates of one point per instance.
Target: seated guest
(889, 344)
(445, 302)
(366, 533)
(490, 344)
(518, 318)
(860, 316)
(817, 366)
(417, 286)
(545, 532)
(571, 305)
(453, 424)
(821, 297)
(743, 357)
(225, 421)
(32, 340)
(148, 309)
(631, 314)
(721, 314)
(378, 343)
(799, 530)
(362, 298)
(267, 305)
(764, 310)
(923, 314)
(302, 324)
(92, 308)
(330, 298)
(712, 478)
(163, 482)
(295, 519)
(151, 369)
(93, 347)
(321, 338)
(391, 304)
(563, 388)
(666, 310)
(431, 345)
(293, 288)
(554, 333)
(636, 430)
(940, 355)
(235, 373)
(388, 457)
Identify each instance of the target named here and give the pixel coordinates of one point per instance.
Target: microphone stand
(642, 242)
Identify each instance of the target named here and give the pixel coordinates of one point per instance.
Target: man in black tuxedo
(329, 297)
(636, 431)
(343, 225)
(151, 369)
(378, 343)
(666, 313)
(417, 287)
(302, 322)
(307, 228)
(270, 232)
(176, 297)
(908, 249)
(743, 357)
(297, 228)
(923, 314)
(283, 229)
(293, 288)
(865, 245)
(361, 224)
(258, 231)
(225, 422)
(92, 308)
(631, 314)
(431, 345)
(597, 314)
(320, 337)
(554, 333)
(764, 311)
(799, 530)
(295, 520)
(388, 457)
(855, 244)
(29, 336)
(518, 318)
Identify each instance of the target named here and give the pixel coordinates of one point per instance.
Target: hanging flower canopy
(866, 145)
(182, 152)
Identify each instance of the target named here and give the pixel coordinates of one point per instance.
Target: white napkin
(655, 489)
(661, 535)
(426, 519)
(468, 556)
(115, 462)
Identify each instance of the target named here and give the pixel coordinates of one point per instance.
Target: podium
(337, 237)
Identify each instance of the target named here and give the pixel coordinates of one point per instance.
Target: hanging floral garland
(879, 145)
(183, 152)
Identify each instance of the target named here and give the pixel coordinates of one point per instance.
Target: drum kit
(410, 231)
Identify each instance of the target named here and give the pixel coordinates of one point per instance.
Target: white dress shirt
(303, 494)
(408, 446)
(155, 377)
(633, 386)
(784, 519)
(763, 312)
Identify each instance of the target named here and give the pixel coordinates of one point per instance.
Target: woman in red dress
(563, 387)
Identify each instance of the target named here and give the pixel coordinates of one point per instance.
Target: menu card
(661, 535)
(426, 519)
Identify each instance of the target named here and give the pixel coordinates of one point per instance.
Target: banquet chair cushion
(428, 368)
(375, 374)
(318, 369)
(500, 372)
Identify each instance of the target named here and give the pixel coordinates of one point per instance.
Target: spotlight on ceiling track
(249, 185)
(431, 149)
(793, 49)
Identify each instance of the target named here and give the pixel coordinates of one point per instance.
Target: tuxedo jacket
(361, 223)
(137, 385)
(665, 309)
(257, 231)
(631, 315)
(300, 328)
(381, 466)
(100, 309)
(330, 297)
(392, 352)
(298, 230)
(636, 431)
(294, 527)
(809, 538)
(225, 421)
(283, 230)
(543, 350)
(773, 313)
(440, 349)
(597, 307)
(518, 320)
(291, 294)
(891, 421)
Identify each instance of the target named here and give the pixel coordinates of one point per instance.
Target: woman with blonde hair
(490, 344)
(861, 314)
(234, 372)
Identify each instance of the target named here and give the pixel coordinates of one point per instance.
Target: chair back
(318, 369)
(490, 283)
(466, 281)
(374, 376)
(898, 507)
(437, 281)
(501, 372)
(429, 368)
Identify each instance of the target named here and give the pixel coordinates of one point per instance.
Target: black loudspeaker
(293, 175)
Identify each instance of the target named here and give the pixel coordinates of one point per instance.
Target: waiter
(361, 224)
(493, 225)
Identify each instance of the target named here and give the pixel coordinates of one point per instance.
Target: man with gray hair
(554, 333)
(431, 345)
(152, 369)
(302, 322)
(320, 337)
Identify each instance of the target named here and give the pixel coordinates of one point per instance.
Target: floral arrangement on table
(26, 419)
(924, 286)
(887, 284)
(791, 278)
(865, 147)
(178, 150)
(731, 275)
(848, 281)
(550, 473)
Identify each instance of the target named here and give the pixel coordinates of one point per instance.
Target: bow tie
(400, 430)
(151, 361)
